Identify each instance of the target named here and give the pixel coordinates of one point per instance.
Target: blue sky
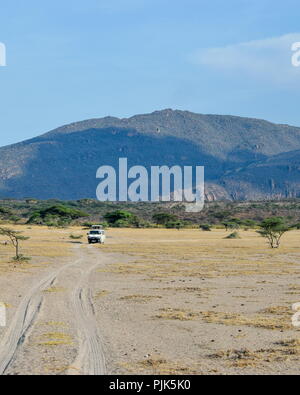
(73, 60)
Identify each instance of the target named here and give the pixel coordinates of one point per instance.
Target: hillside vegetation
(244, 159)
(228, 215)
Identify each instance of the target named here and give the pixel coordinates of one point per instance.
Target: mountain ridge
(233, 149)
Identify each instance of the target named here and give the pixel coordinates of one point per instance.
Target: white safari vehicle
(97, 227)
(96, 236)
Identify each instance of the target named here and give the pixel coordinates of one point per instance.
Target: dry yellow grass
(164, 253)
(43, 243)
(51, 368)
(177, 314)
(54, 290)
(256, 321)
(101, 294)
(282, 351)
(159, 366)
(55, 324)
(140, 298)
(55, 339)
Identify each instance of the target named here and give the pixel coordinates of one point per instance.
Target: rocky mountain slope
(244, 158)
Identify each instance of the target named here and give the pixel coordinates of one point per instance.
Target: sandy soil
(51, 324)
(150, 301)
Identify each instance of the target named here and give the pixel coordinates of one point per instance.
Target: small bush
(88, 224)
(175, 225)
(76, 237)
(206, 227)
(234, 235)
(164, 218)
(21, 258)
(121, 223)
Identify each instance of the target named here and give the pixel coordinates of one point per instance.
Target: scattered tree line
(57, 215)
(216, 215)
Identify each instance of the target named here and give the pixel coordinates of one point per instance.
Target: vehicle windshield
(95, 232)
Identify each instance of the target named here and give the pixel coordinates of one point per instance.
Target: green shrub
(175, 225)
(164, 218)
(119, 215)
(124, 219)
(57, 215)
(234, 235)
(206, 227)
(76, 237)
(121, 223)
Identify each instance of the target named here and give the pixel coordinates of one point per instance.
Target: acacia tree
(273, 229)
(230, 225)
(15, 238)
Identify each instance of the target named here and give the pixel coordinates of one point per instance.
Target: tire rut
(90, 359)
(24, 319)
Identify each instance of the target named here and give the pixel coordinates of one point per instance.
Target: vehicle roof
(97, 230)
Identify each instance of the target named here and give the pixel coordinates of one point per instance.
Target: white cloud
(269, 59)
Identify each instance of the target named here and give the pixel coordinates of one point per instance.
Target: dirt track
(90, 359)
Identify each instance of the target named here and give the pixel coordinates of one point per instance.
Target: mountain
(276, 177)
(244, 158)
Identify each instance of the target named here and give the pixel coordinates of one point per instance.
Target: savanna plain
(149, 301)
